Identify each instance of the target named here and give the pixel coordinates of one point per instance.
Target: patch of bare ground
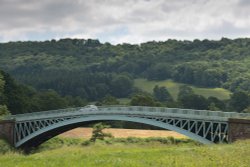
(122, 133)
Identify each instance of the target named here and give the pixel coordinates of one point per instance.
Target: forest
(43, 75)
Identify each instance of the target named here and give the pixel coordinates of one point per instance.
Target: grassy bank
(132, 154)
(173, 88)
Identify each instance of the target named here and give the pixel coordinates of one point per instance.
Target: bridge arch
(48, 132)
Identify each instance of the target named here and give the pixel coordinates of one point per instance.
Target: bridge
(31, 129)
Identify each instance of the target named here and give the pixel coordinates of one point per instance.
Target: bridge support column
(239, 129)
(7, 131)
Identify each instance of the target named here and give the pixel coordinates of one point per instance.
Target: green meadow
(130, 154)
(173, 88)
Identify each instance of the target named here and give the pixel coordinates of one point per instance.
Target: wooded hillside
(88, 69)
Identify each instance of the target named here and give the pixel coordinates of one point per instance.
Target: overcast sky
(118, 21)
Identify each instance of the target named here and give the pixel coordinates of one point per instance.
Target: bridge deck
(135, 110)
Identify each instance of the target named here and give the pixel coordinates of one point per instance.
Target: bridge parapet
(7, 130)
(140, 110)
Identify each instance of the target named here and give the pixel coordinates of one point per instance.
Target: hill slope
(91, 70)
(173, 88)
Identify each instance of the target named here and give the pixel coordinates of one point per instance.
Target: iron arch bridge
(32, 129)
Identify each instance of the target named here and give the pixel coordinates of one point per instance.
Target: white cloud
(118, 21)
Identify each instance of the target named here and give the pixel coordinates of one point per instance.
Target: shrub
(86, 143)
(109, 141)
(58, 142)
(133, 140)
(5, 147)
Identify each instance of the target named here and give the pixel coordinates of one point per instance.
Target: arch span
(44, 134)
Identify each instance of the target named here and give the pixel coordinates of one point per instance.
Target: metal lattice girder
(204, 126)
(196, 129)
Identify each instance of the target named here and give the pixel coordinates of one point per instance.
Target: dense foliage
(65, 72)
(21, 99)
(68, 65)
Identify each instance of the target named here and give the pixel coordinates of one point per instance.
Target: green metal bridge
(32, 129)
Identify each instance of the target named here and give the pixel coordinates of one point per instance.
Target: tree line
(63, 64)
(76, 71)
(16, 99)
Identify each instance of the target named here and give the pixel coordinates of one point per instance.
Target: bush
(162, 140)
(158, 139)
(5, 147)
(58, 142)
(86, 143)
(3, 111)
(134, 140)
(109, 141)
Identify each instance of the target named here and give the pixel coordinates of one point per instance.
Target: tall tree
(3, 111)
(216, 104)
(184, 91)
(194, 101)
(121, 86)
(161, 94)
(239, 101)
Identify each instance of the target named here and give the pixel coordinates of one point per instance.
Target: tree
(76, 101)
(194, 101)
(15, 96)
(161, 94)
(4, 111)
(213, 77)
(50, 100)
(121, 86)
(213, 107)
(2, 82)
(98, 133)
(216, 104)
(239, 101)
(108, 100)
(184, 91)
(143, 100)
(160, 71)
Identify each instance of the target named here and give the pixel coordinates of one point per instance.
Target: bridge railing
(40, 113)
(161, 111)
(178, 111)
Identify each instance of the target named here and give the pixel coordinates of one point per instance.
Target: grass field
(122, 133)
(173, 88)
(134, 155)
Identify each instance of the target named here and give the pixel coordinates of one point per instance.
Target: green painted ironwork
(203, 126)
